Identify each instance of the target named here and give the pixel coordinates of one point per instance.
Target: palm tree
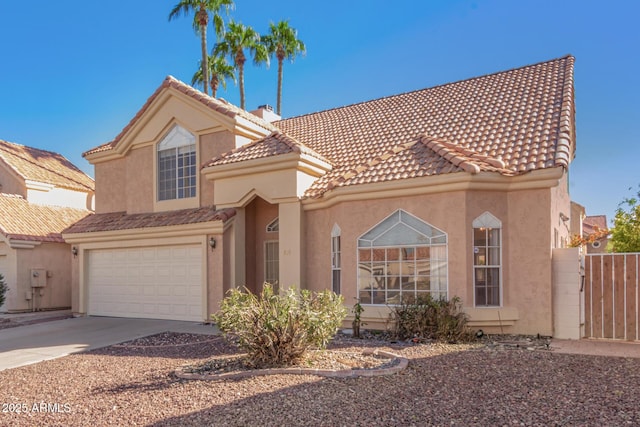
(202, 8)
(233, 44)
(282, 41)
(219, 71)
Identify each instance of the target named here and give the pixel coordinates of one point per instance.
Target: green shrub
(3, 289)
(277, 330)
(428, 318)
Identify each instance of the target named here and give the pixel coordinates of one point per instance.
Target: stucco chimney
(265, 112)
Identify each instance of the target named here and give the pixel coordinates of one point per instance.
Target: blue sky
(72, 73)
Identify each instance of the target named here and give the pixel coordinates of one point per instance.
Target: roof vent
(265, 107)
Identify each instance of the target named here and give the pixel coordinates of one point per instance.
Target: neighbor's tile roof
(590, 223)
(122, 221)
(44, 166)
(219, 105)
(21, 220)
(510, 122)
(272, 145)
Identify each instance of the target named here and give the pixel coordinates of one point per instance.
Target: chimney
(265, 112)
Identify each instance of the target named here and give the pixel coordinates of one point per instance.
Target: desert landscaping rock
(463, 385)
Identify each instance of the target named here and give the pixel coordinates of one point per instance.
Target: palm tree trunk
(279, 103)
(241, 78)
(214, 86)
(203, 21)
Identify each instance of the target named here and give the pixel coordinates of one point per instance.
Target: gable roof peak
(219, 105)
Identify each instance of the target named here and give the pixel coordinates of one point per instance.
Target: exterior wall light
(74, 251)
(212, 243)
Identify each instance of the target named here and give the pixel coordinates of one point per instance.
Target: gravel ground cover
(133, 384)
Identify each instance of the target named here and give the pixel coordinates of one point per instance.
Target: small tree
(277, 330)
(625, 234)
(598, 234)
(3, 290)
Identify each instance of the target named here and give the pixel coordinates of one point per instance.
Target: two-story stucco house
(41, 194)
(456, 190)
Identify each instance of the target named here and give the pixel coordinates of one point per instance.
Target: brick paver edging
(400, 364)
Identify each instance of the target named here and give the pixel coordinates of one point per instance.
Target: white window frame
(273, 226)
(425, 236)
(336, 259)
(487, 221)
(177, 138)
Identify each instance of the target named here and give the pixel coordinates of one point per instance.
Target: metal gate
(611, 296)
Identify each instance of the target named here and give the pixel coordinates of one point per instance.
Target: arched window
(274, 226)
(487, 260)
(177, 164)
(336, 261)
(401, 256)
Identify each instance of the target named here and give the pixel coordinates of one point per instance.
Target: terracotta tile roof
(122, 221)
(219, 105)
(275, 144)
(21, 220)
(591, 223)
(44, 166)
(510, 122)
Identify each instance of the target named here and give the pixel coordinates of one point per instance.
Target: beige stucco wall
(526, 255)
(560, 208)
(212, 145)
(215, 275)
(55, 258)
(139, 188)
(128, 183)
(110, 186)
(10, 183)
(8, 269)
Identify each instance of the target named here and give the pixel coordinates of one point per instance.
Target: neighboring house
(456, 190)
(41, 194)
(594, 225)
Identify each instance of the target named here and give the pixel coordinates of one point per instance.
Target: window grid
(486, 266)
(272, 264)
(388, 275)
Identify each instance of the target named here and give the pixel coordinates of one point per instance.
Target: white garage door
(153, 283)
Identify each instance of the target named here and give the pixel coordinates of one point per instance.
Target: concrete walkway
(594, 347)
(34, 343)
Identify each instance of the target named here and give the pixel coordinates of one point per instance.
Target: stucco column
(291, 245)
(238, 258)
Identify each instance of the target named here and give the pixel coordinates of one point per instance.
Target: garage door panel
(163, 283)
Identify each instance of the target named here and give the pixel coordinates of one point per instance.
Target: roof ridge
(567, 56)
(464, 158)
(566, 135)
(235, 150)
(375, 161)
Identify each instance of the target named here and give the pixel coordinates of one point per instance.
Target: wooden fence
(611, 296)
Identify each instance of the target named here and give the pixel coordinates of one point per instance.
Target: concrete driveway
(29, 344)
